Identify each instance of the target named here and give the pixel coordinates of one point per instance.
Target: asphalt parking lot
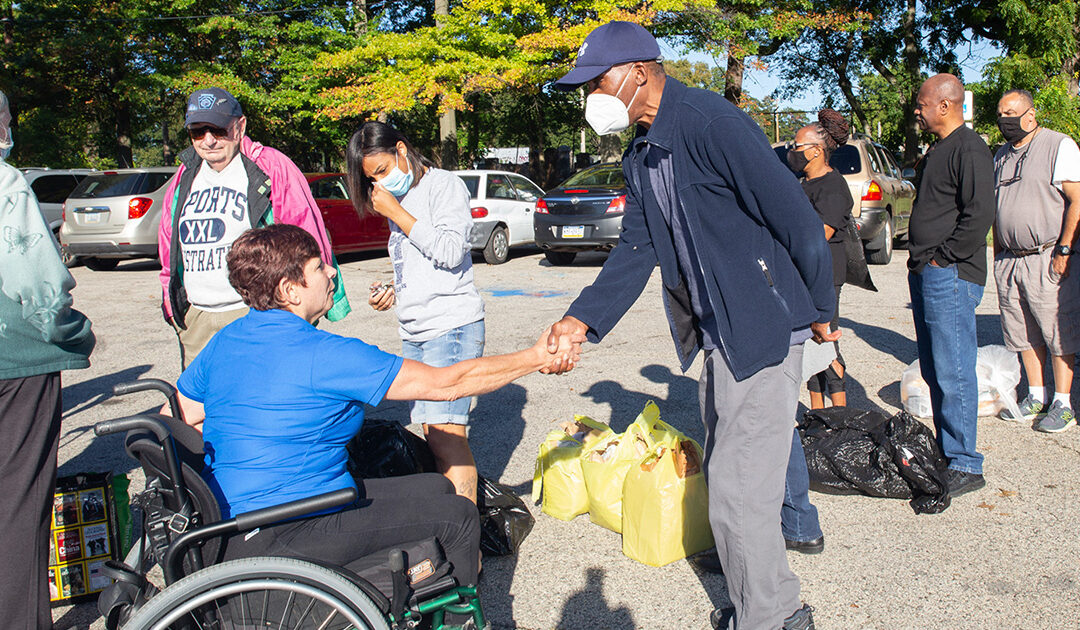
(1006, 556)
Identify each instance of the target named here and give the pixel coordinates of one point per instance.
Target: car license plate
(573, 231)
(93, 217)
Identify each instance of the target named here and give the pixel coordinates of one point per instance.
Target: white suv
(52, 187)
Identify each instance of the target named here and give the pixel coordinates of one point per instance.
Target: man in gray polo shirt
(1037, 184)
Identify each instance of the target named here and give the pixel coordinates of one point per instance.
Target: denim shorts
(461, 343)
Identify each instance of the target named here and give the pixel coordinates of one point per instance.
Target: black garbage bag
(387, 449)
(858, 273)
(505, 520)
(853, 451)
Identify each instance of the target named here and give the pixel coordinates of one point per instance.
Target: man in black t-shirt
(953, 212)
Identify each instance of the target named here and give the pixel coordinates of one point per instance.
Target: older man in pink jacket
(226, 185)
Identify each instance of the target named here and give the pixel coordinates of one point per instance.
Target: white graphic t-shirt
(214, 215)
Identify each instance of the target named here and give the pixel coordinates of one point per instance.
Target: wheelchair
(182, 531)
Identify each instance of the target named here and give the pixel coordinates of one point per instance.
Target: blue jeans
(461, 343)
(798, 517)
(943, 307)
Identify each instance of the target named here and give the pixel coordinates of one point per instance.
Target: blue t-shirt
(282, 399)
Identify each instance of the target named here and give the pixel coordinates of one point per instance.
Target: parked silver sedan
(114, 215)
(502, 208)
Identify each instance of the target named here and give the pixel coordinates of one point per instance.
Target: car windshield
(846, 160)
(472, 182)
(608, 175)
(119, 185)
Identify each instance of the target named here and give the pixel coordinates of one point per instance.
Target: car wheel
(497, 250)
(560, 259)
(66, 256)
(879, 251)
(102, 264)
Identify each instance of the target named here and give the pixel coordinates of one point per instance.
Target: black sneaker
(816, 545)
(707, 561)
(961, 482)
(721, 617)
(802, 619)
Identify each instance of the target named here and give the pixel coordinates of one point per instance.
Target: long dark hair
(371, 138)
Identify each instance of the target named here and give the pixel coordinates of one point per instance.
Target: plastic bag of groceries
(605, 464)
(665, 505)
(915, 393)
(557, 477)
(998, 372)
(998, 369)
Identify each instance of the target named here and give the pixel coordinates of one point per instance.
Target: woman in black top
(829, 194)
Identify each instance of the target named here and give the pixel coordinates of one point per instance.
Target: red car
(349, 232)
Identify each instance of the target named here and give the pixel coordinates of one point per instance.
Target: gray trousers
(748, 427)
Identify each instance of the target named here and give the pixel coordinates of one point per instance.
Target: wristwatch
(1063, 250)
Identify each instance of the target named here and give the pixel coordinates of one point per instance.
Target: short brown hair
(262, 257)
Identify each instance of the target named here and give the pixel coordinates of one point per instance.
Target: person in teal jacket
(40, 335)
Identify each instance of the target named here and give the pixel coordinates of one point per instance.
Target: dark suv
(882, 193)
(581, 214)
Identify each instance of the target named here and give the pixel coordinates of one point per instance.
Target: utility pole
(448, 121)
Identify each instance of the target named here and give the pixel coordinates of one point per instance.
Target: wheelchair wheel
(264, 593)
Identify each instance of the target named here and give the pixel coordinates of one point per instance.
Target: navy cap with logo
(213, 106)
(610, 45)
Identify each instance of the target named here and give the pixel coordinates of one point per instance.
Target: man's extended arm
(417, 381)
(623, 277)
(1071, 190)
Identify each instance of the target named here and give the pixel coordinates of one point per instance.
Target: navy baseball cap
(609, 45)
(213, 106)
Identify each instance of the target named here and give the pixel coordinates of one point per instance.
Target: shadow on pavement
(888, 341)
(588, 609)
(86, 394)
(679, 408)
(496, 426)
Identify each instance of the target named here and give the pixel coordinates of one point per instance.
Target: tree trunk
(360, 16)
(123, 135)
(733, 78)
(448, 121)
(908, 89)
(166, 145)
(1072, 65)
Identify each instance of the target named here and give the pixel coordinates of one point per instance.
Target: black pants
(391, 511)
(828, 381)
(29, 434)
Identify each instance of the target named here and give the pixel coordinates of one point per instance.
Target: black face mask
(797, 161)
(1011, 129)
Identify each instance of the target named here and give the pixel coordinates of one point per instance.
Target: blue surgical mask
(6, 151)
(396, 182)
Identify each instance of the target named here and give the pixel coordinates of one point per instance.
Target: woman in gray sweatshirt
(440, 312)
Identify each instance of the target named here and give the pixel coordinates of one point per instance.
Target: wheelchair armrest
(295, 509)
(249, 521)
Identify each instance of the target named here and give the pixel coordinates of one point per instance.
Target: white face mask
(607, 114)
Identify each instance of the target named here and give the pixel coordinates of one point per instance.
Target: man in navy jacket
(747, 278)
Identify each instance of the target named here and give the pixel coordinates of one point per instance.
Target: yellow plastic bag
(666, 506)
(557, 476)
(604, 465)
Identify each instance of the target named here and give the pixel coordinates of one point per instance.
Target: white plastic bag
(915, 393)
(998, 372)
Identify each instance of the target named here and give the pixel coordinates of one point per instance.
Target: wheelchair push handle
(148, 384)
(120, 425)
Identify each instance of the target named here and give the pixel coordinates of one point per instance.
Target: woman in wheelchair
(277, 400)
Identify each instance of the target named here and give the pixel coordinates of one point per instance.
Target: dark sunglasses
(197, 133)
